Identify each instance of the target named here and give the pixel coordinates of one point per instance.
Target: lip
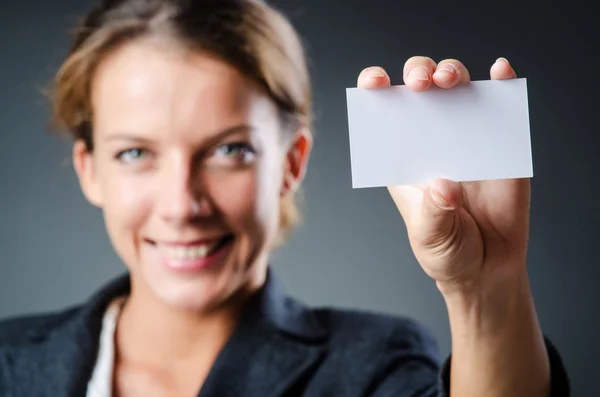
(188, 243)
(192, 265)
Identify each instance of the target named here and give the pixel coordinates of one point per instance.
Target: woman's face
(189, 164)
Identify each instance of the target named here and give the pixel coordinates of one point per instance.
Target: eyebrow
(211, 140)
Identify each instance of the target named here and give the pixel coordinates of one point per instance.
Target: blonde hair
(247, 34)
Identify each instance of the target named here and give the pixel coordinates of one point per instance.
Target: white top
(101, 382)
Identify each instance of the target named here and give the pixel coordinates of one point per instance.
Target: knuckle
(418, 60)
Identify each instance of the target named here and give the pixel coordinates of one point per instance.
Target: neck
(176, 336)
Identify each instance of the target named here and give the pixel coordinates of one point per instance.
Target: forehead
(147, 86)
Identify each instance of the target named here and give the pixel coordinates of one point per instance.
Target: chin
(188, 284)
(198, 294)
(191, 296)
(198, 285)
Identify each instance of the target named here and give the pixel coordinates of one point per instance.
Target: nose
(179, 197)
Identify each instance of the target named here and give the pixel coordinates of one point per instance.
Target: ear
(296, 161)
(83, 163)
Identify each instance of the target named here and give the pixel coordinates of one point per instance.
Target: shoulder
(20, 330)
(83, 317)
(369, 330)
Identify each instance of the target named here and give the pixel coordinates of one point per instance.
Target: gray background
(352, 250)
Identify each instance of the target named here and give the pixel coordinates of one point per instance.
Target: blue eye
(241, 151)
(131, 155)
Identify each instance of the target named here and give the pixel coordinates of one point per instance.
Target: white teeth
(189, 252)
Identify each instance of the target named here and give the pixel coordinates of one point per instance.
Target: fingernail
(439, 200)
(418, 73)
(446, 67)
(375, 71)
(501, 59)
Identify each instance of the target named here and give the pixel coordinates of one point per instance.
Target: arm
(497, 345)
(471, 238)
(410, 364)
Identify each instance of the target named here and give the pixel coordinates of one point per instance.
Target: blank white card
(476, 131)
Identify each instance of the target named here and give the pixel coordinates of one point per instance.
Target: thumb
(442, 199)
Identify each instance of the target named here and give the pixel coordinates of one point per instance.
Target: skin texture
(185, 148)
(471, 238)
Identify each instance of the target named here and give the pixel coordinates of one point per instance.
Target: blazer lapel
(57, 367)
(276, 345)
(57, 358)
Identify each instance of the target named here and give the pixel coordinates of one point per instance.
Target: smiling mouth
(192, 251)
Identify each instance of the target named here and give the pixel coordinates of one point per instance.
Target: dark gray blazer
(281, 348)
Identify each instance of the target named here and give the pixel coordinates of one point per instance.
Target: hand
(466, 236)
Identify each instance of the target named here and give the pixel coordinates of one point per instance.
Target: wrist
(495, 331)
(488, 307)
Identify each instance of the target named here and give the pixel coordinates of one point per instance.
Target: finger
(373, 77)
(449, 73)
(502, 70)
(446, 194)
(417, 73)
(442, 199)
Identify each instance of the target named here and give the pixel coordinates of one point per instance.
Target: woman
(191, 125)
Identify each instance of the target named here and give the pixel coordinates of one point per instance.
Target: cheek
(127, 203)
(249, 198)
